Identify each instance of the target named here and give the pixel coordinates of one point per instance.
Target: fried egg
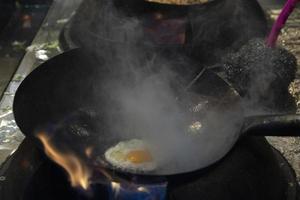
(131, 155)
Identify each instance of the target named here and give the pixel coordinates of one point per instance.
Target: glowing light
(196, 125)
(88, 151)
(116, 187)
(142, 189)
(195, 128)
(78, 172)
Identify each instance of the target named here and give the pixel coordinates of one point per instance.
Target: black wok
(59, 96)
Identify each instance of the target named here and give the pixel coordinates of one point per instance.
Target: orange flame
(78, 172)
(88, 152)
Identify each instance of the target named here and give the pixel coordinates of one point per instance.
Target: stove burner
(121, 191)
(251, 171)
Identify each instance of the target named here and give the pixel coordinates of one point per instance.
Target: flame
(88, 152)
(116, 187)
(78, 172)
(143, 189)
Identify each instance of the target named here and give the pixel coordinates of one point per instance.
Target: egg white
(116, 156)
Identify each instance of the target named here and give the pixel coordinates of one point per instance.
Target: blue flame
(125, 191)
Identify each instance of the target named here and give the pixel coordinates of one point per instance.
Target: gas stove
(253, 170)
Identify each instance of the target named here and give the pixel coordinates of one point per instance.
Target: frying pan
(64, 97)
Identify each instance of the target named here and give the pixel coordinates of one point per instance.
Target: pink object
(280, 22)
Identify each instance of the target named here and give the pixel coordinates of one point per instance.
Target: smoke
(143, 84)
(144, 91)
(144, 81)
(143, 87)
(149, 109)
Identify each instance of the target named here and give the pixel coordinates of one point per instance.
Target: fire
(116, 188)
(78, 172)
(143, 189)
(88, 151)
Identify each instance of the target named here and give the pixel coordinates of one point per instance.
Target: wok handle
(272, 125)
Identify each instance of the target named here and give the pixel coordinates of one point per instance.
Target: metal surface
(279, 179)
(43, 47)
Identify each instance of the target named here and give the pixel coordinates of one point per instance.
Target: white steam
(145, 104)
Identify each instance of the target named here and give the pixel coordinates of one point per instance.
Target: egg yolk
(139, 156)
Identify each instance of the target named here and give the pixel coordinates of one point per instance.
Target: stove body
(253, 170)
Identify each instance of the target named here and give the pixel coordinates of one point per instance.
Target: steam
(143, 92)
(145, 97)
(150, 110)
(143, 89)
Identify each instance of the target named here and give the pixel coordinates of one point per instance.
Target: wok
(64, 97)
